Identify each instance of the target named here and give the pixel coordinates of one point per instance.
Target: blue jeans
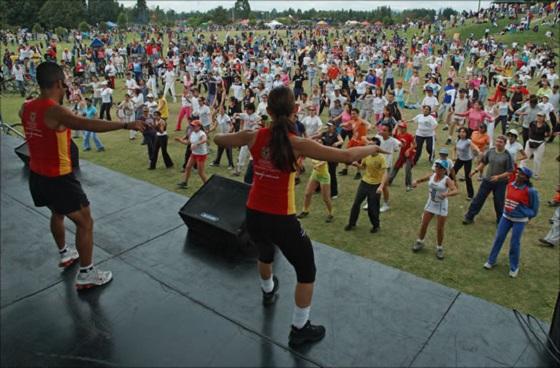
(515, 244)
(498, 189)
(96, 140)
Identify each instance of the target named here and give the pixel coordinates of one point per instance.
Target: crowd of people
(339, 103)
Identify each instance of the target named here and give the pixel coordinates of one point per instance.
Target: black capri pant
(285, 232)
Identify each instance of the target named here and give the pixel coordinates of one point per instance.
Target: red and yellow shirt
(49, 150)
(272, 191)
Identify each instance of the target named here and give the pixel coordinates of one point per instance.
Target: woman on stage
(271, 208)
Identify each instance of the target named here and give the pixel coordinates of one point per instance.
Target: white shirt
(223, 125)
(106, 94)
(261, 108)
(250, 122)
(18, 73)
(110, 70)
(378, 104)
(152, 106)
(131, 85)
(186, 101)
(237, 91)
(138, 100)
(514, 148)
(340, 98)
(196, 137)
(390, 145)
(430, 101)
(195, 106)
(313, 125)
(426, 125)
(204, 115)
(169, 77)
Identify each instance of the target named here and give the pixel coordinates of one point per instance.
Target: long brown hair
(281, 104)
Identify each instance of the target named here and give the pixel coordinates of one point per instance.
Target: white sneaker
(384, 208)
(92, 278)
(365, 206)
(68, 258)
(513, 274)
(488, 266)
(418, 245)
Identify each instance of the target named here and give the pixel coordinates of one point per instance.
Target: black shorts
(285, 232)
(61, 194)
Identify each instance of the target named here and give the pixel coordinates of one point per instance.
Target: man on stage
(47, 126)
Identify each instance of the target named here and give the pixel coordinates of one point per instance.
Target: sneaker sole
(68, 263)
(81, 287)
(299, 342)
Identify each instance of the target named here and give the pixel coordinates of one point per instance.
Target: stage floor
(172, 303)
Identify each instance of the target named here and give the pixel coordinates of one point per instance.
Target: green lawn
(534, 291)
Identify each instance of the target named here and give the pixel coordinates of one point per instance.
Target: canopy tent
(351, 23)
(96, 43)
(111, 24)
(274, 24)
(244, 22)
(365, 23)
(322, 24)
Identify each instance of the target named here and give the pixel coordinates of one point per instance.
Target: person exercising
(271, 209)
(52, 183)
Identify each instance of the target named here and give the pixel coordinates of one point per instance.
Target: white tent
(351, 23)
(274, 24)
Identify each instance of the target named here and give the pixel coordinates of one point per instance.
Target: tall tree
(141, 11)
(19, 12)
(122, 21)
(65, 13)
(102, 11)
(242, 9)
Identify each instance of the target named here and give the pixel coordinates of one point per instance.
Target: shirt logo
(265, 153)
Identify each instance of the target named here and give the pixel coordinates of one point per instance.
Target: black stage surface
(172, 303)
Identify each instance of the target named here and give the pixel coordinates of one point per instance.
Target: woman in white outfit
(440, 188)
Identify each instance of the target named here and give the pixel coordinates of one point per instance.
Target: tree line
(40, 15)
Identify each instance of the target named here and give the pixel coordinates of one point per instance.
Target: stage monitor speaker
(554, 334)
(215, 216)
(22, 151)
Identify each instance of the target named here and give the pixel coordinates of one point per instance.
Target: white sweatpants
(243, 159)
(538, 154)
(152, 86)
(171, 88)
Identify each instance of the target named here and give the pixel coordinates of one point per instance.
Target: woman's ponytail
(281, 103)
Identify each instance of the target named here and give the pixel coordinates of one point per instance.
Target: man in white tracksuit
(169, 78)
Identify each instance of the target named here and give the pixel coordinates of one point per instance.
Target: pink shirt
(475, 118)
(346, 117)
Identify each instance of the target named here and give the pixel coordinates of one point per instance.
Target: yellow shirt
(375, 167)
(320, 167)
(162, 108)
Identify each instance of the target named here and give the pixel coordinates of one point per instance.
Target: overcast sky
(192, 5)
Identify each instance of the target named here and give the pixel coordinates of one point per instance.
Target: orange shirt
(272, 191)
(359, 134)
(49, 150)
(480, 140)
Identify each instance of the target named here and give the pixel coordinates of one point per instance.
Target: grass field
(534, 291)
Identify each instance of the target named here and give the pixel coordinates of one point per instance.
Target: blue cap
(442, 163)
(526, 171)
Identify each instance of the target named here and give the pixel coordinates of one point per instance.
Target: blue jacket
(521, 201)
